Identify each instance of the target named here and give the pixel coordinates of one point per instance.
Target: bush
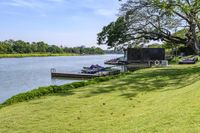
(1, 106)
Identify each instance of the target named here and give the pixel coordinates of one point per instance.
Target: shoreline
(44, 55)
(35, 55)
(56, 89)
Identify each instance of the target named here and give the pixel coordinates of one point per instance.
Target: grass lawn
(35, 55)
(149, 100)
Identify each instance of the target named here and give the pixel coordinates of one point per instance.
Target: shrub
(78, 84)
(1, 106)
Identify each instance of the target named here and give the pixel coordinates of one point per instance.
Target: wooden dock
(55, 74)
(74, 75)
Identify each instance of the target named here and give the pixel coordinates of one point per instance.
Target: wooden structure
(142, 55)
(55, 74)
(139, 56)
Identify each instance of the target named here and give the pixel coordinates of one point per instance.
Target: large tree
(141, 21)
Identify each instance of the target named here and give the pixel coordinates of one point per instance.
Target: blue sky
(63, 22)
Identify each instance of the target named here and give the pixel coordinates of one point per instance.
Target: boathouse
(142, 55)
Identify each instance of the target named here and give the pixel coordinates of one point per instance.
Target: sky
(61, 22)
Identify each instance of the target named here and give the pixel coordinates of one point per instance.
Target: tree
(115, 33)
(146, 20)
(41, 47)
(21, 47)
(5, 48)
(54, 49)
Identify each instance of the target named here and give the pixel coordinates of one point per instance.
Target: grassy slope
(35, 55)
(150, 100)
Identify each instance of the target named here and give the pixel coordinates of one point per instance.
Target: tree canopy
(141, 21)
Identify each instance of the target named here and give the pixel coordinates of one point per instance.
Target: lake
(19, 75)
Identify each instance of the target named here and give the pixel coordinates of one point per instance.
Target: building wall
(145, 54)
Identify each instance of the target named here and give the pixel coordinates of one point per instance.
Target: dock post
(53, 70)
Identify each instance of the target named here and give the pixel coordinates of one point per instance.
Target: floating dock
(55, 74)
(74, 75)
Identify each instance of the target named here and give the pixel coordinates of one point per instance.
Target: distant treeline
(19, 46)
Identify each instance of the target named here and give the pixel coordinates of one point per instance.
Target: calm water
(22, 74)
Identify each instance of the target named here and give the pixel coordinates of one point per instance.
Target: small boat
(93, 69)
(191, 60)
(116, 61)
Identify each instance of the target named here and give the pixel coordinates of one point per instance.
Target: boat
(94, 69)
(116, 61)
(191, 60)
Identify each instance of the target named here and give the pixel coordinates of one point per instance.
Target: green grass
(35, 55)
(149, 100)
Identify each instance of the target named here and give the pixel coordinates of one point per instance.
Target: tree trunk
(195, 38)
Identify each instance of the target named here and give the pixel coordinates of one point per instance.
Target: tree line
(19, 46)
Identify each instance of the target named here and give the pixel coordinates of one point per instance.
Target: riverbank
(35, 55)
(148, 100)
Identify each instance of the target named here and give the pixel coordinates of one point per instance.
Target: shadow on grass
(160, 79)
(129, 95)
(69, 93)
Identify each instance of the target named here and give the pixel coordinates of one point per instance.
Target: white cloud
(40, 7)
(23, 3)
(97, 7)
(32, 3)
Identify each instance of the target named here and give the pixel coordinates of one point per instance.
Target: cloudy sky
(62, 22)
